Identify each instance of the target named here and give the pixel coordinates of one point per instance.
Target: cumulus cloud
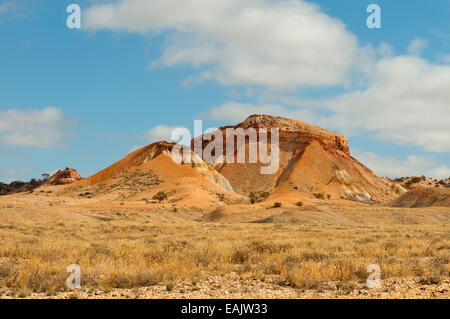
(159, 133)
(8, 6)
(407, 101)
(412, 165)
(445, 58)
(417, 46)
(44, 128)
(13, 9)
(284, 44)
(289, 45)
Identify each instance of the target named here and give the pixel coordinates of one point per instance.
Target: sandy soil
(234, 286)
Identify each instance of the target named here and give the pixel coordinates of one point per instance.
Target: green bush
(257, 197)
(160, 196)
(318, 196)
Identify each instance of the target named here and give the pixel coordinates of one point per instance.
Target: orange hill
(149, 170)
(424, 197)
(312, 160)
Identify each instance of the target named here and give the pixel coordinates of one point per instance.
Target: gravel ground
(235, 286)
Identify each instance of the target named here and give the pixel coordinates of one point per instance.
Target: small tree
(45, 176)
(160, 196)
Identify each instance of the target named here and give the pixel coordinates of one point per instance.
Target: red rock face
(311, 159)
(67, 176)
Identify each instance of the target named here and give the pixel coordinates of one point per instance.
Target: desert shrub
(430, 280)
(345, 286)
(257, 197)
(264, 195)
(415, 180)
(160, 196)
(319, 196)
(169, 286)
(302, 279)
(299, 204)
(291, 261)
(277, 204)
(239, 256)
(314, 256)
(5, 270)
(260, 246)
(132, 280)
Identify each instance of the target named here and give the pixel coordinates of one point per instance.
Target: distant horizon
(85, 98)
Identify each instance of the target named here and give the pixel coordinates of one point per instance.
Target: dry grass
(123, 249)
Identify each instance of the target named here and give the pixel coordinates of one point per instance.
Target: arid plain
(147, 227)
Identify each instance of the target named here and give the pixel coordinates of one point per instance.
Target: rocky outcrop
(308, 159)
(413, 182)
(63, 177)
(311, 159)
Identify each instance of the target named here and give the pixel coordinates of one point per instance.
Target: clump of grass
(239, 256)
(169, 286)
(74, 296)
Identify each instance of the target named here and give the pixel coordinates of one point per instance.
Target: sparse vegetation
(19, 186)
(160, 196)
(125, 250)
(257, 197)
(299, 204)
(319, 195)
(277, 204)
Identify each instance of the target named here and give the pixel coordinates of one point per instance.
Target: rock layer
(63, 177)
(311, 159)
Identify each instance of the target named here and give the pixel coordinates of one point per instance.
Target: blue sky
(85, 98)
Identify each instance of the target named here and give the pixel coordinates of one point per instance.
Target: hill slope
(149, 170)
(424, 197)
(312, 160)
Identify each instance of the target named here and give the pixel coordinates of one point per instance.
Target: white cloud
(14, 9)
(8, 6)
(412, 165)
(160, 133)
(292, 44)
(385, 50)
(284, 44)
(233, 112)
(407, 101)
(44, 128)
(439, 172)
(445, 58)
(417, 46)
